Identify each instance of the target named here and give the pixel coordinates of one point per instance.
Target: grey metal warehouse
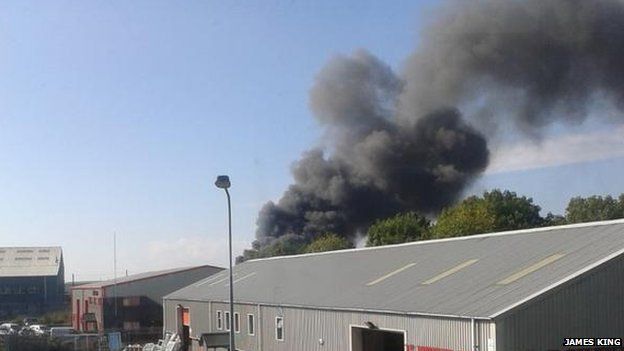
(520, 290)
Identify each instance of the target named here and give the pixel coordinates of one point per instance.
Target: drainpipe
(259, 328)
(472, 334)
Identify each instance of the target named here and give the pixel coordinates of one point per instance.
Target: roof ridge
(29, 247)
(143, 276)
(465, 237)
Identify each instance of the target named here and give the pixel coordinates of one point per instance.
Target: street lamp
(223, 182)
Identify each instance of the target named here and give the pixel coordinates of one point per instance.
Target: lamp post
(223, 182)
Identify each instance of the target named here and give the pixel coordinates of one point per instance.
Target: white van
(58, 332)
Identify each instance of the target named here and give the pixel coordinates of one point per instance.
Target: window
(219, 320)
(131, 325)
(96, 293)
(131, 301)
(250, 324)
(279, 328)
(227, 320)
(236, 322)
(43, 258)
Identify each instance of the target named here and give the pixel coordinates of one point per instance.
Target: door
(369, 339)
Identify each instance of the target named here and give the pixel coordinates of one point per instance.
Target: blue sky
(116, 116)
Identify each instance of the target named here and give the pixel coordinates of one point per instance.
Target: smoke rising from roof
(398, 142)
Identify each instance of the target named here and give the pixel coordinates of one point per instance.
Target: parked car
(26, 331)
(29, 321)
(39, 329)
(9, 328)
(59, 332)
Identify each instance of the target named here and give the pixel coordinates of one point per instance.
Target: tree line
(493, 211)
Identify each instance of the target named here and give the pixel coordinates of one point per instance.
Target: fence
(76, 342)
(83, 342)
(141, 336)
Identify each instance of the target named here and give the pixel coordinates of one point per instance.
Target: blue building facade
(32, 280)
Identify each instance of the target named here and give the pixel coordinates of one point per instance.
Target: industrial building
(130, 303)
(510, 291)
(31, 280)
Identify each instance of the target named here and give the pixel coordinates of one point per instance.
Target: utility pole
(115, 273)
(223, 182)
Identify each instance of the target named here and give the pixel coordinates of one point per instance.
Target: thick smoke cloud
(398, 142)
(373, 166)
(526, 62)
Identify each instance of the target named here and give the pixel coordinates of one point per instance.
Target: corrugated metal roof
(477, 276)
(30, 261)
(139, 276)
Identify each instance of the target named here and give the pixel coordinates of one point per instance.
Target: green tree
(328, 242)
(471, 216)
(512, 211)
(403, 227)
(496, 210)
(594, 208)
(283, 246)
(553, 219)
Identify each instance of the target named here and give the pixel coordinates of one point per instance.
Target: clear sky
(116, 116)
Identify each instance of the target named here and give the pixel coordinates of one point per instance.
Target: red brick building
(130, 303)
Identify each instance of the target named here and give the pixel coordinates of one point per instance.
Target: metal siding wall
(591, 306)
(199, 322)
(46, 297)
(244, 341)
(486, 331)
(169, 319)
(199, 312)
(304, 327)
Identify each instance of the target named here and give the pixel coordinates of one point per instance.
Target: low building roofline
(465, 237)
(341, 309)
(108, 283)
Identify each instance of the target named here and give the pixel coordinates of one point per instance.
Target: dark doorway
(366, 339)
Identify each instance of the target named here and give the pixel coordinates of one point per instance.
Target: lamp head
(371, 325)
(223, 182)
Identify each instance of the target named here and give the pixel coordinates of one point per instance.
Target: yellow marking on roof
(382, 278)
(453, 270)
(241, 278)
(222, 280)
(530, 269)
(208, 280)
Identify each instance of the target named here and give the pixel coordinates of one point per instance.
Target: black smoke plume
(399, 142)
